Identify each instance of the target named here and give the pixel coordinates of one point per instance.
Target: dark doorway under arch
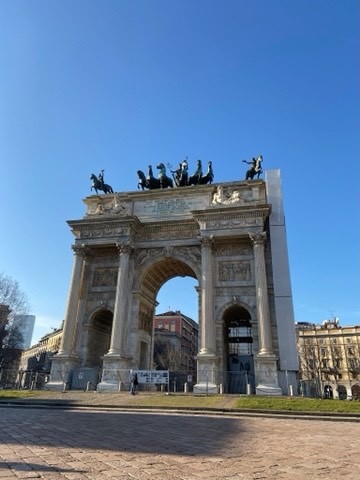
(99, 337)
(239, 350)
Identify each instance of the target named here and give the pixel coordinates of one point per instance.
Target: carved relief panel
(104, 277)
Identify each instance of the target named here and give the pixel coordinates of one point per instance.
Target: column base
(62, 366)
(115, 373)
(268, 390)
(206, 374)
(266, 375)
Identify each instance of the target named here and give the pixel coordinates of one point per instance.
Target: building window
(323, 352)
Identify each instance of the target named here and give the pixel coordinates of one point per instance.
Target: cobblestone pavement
(55, 444)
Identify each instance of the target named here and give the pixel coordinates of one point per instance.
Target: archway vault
(162, 271)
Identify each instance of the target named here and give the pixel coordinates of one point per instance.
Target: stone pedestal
(115, 374)
(62, 367)
(266, 375)
(206, 375)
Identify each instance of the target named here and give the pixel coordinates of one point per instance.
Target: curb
(228, 412)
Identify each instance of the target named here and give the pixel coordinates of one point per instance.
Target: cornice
(232, 213)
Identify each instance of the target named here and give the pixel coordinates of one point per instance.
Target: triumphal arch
(230, 237)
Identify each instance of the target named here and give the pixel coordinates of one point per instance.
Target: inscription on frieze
(234, 271)
(169, 206)
(232, 249)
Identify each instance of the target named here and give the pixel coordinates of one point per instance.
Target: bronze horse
(255, 169)
(97, 185)
(198, 178)
(164, 180)
(181, 178)
(151, 182)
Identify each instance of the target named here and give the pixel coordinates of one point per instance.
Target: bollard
(291, 391)
(221, 389)
(248, 389)
(119, 386)
(186, 387)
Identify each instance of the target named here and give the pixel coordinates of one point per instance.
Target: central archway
(155, 275)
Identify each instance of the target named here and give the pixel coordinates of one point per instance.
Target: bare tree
(166, 354)
(12, 302)
(12, 296)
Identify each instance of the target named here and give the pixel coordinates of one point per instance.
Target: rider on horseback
(255, 168)
(101, 179)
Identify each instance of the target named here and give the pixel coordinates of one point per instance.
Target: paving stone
(116, 445)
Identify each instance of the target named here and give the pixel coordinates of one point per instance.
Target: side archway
(238, 348)
(99, 337)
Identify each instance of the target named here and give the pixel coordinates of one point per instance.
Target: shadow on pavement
(127, 432)
(28, 467)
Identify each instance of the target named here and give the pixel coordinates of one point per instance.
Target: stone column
(66, 360)
(207, 345)
(262, 301)
(206, 359)
(115, 362)
(68, 336)
(121, 300)
(266, 374)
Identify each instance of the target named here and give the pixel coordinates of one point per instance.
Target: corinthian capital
(207, 242)
(125, 248)
(80, 250)
(258, 238)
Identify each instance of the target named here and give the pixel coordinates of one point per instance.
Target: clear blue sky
(120, 84)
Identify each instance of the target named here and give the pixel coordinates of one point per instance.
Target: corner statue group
(255, 169)
(99, 184)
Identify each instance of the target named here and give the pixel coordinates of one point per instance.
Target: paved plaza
(56, 444)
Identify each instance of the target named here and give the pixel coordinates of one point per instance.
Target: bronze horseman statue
(255, 169)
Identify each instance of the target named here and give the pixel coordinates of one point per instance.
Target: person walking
(133, 383)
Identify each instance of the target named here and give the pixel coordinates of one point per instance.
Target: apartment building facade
(329, 359)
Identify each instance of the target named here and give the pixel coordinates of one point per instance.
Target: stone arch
(235, 303)
(342, 392)
(162, 269)
(99, 335)
(355, 391)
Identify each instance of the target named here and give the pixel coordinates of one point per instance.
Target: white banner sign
(152, 376)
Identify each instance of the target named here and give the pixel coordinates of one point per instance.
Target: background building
(175, 346)
(25, 324)
(329, 357)
(35, 363)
